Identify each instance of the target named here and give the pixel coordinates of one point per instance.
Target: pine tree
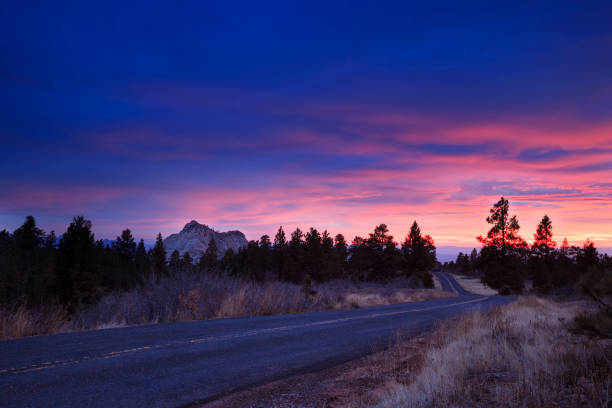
(541, 264)
(542, 239)
(419, 251)
(229, 262)
(107, 264)
(31, 266)
(328, 260)
(462, 263)
(587, 257)
(312, 262)
(143, 263)
(360, 260)
(174, 264)
(504, 232)
(380, 237)
(297, 238)
(158, 258)
(187, 263)
(419, 254)
(265, 254)
(565, 245)
(44, 281)
(501, 261)
(340, 248)
(79, 275)
(280, 253)
(280, 241)
(208, 261)
(125, 248)
(27, 242)
(474, 260)
(392, 261)
(294, 265)
(382, 252)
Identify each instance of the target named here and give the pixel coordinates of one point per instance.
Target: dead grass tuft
(368, 298)
(21, 321)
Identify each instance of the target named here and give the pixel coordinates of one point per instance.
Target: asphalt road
(186, 363)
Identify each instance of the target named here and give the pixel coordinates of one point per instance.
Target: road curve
(186, 363)
(449, 284)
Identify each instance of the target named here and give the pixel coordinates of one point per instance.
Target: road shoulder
(350, 384)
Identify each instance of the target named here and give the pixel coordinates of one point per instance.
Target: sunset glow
(340, 121)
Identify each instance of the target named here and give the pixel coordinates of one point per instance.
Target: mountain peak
(195, 237)
(194, 225)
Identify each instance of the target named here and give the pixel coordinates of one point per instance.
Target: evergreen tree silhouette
(280, 253)
(500, 257)
(174, 263)
(504, 231)
(313, 259)
(79, 276)
(208, 261)
(419, 254)
(125, 249)
(143, 263)
(294, 271)
(159, 265)
(542, 239)
(187, 263)
(341, 252)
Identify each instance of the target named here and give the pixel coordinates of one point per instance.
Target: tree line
(319, 257)
(77, 269)
(506, 260)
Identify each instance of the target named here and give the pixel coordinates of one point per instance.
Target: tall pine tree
(159, 266)
(125, 248)
(500, 257)
(209, 261)
(79, 276)
(504, 231)
(542, 239)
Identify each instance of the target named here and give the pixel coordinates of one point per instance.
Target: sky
(337, 115)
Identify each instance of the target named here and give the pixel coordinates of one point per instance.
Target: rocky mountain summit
(194, 238)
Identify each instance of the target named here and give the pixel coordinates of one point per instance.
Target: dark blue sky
(148, 114)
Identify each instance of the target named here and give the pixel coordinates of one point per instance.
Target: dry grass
(437, 284)
(473, 285)
(518, 355)
(367, 298)
(199, 297)
(20, 321)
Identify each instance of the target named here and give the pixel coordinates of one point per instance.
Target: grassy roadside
(191, 297)
(521, 354)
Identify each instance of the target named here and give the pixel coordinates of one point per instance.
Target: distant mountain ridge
(194, 238)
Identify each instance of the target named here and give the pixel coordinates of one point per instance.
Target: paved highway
(187, 363)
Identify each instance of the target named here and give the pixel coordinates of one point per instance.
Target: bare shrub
(208, 296)
(191, 296)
